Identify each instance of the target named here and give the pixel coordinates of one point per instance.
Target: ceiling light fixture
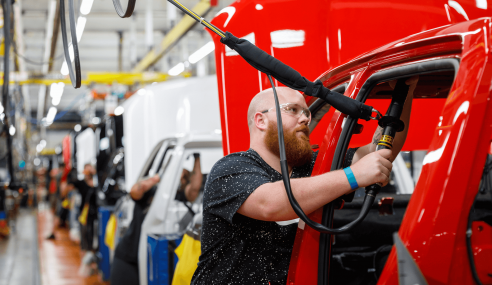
(176, 70)
(56, 92)
(50, 117)
(85, 7)
(202, 52)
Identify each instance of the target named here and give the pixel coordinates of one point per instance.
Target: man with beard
(245, 196)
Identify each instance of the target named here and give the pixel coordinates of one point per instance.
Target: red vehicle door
(451, 123)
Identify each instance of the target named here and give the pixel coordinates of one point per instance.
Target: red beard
(298, 150)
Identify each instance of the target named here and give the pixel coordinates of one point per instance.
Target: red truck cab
(451, 120)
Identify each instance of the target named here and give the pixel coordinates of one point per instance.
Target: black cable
(196, 17)
(28, 60)
(75, 76)
(129, 8)
(368, 200)
(7, 8)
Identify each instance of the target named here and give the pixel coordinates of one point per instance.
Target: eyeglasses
(292, 109)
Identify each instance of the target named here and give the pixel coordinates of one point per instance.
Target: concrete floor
(19, 259)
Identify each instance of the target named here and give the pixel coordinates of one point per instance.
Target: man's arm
(400, 137)
(138, 189)
(269, 202)
(193, 188)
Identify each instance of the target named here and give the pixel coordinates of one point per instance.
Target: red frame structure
(456, 131)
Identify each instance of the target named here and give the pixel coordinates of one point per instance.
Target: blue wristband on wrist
(351, 178)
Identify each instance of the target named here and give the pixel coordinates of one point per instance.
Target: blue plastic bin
(104, 256)
(161, 260)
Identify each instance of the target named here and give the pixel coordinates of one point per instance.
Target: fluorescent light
(119, 110)
(202, 52)
(42, 143)
(177, 69)
(1, 108)
(80, 27)
(39, 148)
(56, 92)
(50, 117)
(12, 130)
(85, 7)
(64, 69)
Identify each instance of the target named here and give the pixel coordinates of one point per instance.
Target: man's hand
(373, 168)
(139, 188)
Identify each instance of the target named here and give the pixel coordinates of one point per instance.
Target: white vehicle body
(167, 216)
(164, 124)
(85, 150)
(165, 110)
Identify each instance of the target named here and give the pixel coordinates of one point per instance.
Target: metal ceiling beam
(52, 4)
(54, 35)
(175, 34)
(106, 78)
(19, 42)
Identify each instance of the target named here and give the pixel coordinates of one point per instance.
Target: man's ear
(260, 121)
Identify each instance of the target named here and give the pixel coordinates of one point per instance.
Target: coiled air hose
(75, 76)
(129, 8)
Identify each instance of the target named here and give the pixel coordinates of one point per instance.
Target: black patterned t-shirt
(237, 249)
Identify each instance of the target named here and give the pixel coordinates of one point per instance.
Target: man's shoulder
(249, 156)
(236, 163)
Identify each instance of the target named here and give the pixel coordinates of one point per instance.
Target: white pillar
(149, 26)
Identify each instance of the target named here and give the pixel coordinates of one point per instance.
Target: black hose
(7, 8)
(197, 18)
(75, 76)
(129, 8)
(368, 200)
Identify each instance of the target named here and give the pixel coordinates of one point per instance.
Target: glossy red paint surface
(67, 154)
(434, 225)
(433, 229)
(334, 32)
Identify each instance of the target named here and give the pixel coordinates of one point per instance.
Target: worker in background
(87, 217)
(124, 269)
(190, 183)
(54, 191)
(245, 196)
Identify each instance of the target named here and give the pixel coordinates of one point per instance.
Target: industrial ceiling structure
(108, 46)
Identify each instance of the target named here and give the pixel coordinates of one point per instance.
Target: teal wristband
(351, 178)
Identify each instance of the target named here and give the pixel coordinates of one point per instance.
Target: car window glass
(150, 161)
